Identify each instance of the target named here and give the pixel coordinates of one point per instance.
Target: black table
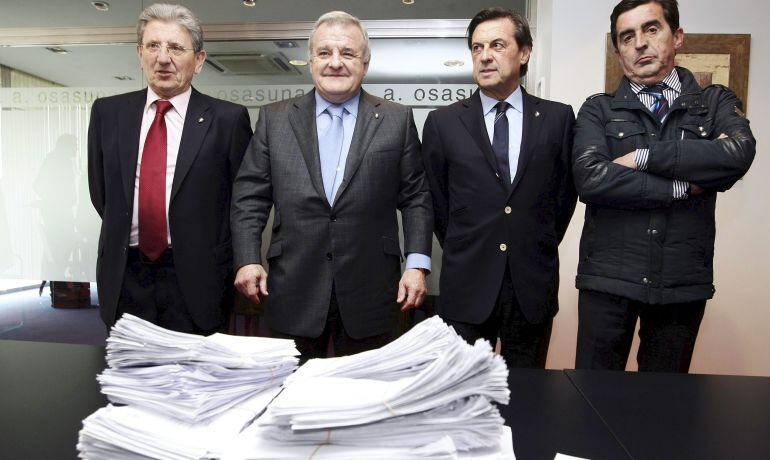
(548, 415)
(47, 389)
(679, 416)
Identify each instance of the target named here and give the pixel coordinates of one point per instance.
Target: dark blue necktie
(660, 107)
(500, 142)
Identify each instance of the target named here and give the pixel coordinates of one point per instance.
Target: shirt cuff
(417, 260)
(641, 159)
(680, 189)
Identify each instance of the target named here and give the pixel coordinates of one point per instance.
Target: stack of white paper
(186, 376)
(128, 432)
(187, 396)
(436, 391)
(404, 357)
(470, 423)
(252, 445)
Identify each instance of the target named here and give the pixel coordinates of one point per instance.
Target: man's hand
(412, 289)
(628, 160)
(251, 281)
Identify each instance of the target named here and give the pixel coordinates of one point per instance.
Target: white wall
(735, 334)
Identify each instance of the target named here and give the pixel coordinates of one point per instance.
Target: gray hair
(172, 13)
(334, 18)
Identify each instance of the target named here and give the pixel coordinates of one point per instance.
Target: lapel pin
(537, 114)
(376, 115)
(200, 120)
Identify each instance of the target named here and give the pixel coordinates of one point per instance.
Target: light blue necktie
(330, 149)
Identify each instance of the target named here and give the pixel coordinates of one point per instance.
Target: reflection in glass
(48, 228)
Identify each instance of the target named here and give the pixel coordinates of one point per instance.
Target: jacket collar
(197, 122)
(691, 95)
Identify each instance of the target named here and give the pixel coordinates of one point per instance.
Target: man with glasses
(648, 162)
(161, 163)
(335, 165)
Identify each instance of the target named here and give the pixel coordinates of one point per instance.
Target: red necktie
(152, 187)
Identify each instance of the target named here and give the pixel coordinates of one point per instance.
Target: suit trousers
(606, 324)
(151, 291)
(334, 339)
(522, 344)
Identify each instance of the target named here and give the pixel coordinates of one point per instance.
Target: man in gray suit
(335, 164)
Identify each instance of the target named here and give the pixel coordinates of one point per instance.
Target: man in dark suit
(499, 169)
(335, 164)
(161, 162)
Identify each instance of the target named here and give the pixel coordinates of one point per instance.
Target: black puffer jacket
(637, 241)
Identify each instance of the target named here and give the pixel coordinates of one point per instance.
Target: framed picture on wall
(713, 59)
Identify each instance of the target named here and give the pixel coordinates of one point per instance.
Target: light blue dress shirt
(515, 114)
(323, 121)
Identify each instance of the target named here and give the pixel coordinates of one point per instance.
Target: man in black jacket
(648, 161)
(499, 168)
(161, 164)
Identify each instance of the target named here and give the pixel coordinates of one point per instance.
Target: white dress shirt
(174, 125)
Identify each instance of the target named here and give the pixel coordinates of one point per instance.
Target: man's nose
(336, 59)
(163, 55)
(640, 41)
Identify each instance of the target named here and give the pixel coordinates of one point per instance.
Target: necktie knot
(335, 110)
(660, 106)
(655, 89)
(161, 107)
(501, 107)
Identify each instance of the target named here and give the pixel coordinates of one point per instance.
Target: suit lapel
(473, 120)
(532, 122)
(129, 125)
(302, 120)
(196, 124)
(366, 127)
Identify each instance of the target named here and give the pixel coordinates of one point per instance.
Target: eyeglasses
(172, 49)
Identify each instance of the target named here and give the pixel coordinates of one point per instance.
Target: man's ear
(526, 52)
(678, 39)
(200, 59)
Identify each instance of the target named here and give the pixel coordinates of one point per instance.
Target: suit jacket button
(503, 247)
(329, 256)
(333, 218)
(507, 210)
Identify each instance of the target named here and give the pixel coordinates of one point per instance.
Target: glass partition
(48, 228)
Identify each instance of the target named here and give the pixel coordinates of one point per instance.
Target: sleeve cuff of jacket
(641, 159)
(416, 260)
(680, 189)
